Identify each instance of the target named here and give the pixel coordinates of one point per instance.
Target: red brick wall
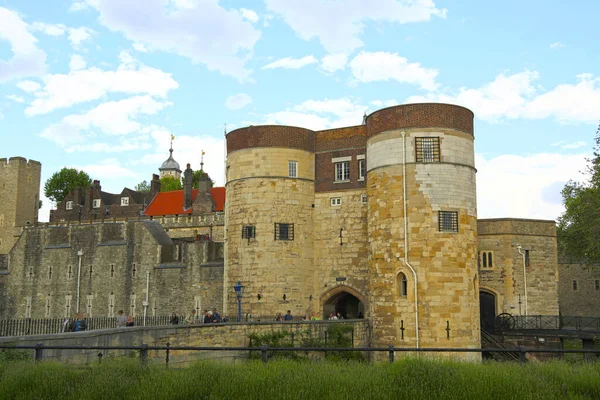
(342, 138)
(325, 171)
(428, 115)
(271, 136)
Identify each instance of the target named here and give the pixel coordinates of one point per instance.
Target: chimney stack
(154, 186)
(187, 188)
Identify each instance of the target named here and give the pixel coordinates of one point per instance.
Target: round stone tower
(422, 227)
(269, 218)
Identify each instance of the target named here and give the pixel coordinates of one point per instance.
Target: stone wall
(230, 334)
(581, 298)
(44, 266)
(506, 278)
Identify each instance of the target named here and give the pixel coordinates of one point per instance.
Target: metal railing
(506, 322)
(266, 350)
(45, 326)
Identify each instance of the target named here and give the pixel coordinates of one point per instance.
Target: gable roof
(171, 203)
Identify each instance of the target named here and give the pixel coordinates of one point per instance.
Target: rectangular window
(597, 282)
(486, 259)
(293, 169)
(336, 201)
(28, 308)
(361, 170)
(527, 258)
(574, 285)
(342, 171)
(284, 231)
(68, 299)
(248, 232)
(427, 149)
(96, 203)
(124, 201)
(132, 305)
(448, 221)
(88, 305)
(69, 205)
(48, 307)
(364, 198)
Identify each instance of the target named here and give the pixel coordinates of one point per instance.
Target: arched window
(484, 260)
(490, 264)
(402, 285)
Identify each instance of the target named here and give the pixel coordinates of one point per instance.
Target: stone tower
(170, 167)
(422, 223)
(269, 218)
(19, 198)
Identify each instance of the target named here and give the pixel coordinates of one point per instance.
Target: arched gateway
(345, 300)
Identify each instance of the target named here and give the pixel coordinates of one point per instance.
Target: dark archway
(487, 310)
(348, 305)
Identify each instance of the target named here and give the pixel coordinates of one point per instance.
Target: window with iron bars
(248, 232)
(427, 149)
(448, 221)
(284, 231)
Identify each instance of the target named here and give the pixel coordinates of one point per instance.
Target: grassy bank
(414, 379)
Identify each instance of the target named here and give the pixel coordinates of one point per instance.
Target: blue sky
(101, 85)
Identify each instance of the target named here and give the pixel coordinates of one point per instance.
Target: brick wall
(270, 136)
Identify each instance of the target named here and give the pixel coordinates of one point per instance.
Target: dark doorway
(487, 310)
(347, 305)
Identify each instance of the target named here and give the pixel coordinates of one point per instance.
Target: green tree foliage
(143, 187)
(170, 183)
(65, 181)
(196, 177)
(579, 225)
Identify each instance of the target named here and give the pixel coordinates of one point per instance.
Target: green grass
(407, 378)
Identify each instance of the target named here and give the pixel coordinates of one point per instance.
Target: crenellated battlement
(19, 162)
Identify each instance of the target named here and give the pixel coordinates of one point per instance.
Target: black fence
(266, 350)
(44, 326)
(506, 322)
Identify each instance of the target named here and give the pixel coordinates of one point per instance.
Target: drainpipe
(406, 237)
(147, 294)
(80, 254)
(524, 275)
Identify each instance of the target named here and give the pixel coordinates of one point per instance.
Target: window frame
(574, 285)
(335, 201)
(403, 289)
(443, 223)
(280, 227)
(248, 232)
(425, 145)
(364, 199)
(292, 167)
(96, 203)
(362, 169)
(342, 170)
(124, 201)
(486, 260)
(69, 205)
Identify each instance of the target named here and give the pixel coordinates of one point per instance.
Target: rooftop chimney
(187, 188)
(154, 186)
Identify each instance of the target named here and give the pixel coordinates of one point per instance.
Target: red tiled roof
(171, 203)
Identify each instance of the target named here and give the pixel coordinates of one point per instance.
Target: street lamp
(79, 254)
(239, 292)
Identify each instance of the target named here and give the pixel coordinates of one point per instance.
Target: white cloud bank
(238, 101)
(291, 63)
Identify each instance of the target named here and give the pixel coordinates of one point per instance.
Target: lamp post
(80, 254)
(239, 292)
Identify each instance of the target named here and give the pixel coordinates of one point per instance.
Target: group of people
(124, 320)
(75, 324)
(193, 318)
(287, 317)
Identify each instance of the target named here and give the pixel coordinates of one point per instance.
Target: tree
(196, 177)
(65, 181)
(170, 183)
(579, 225)
(143, 187)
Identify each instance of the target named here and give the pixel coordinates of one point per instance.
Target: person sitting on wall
(288, 317)
(79, 324)
(279, 317)
(332, 316)
(174, 319)
(216, 317)
(191, 318)
(207, 316)
(338, 315)
(130, 321)
(121, 319)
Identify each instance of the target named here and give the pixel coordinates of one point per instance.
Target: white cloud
(563, 144)
(110, 118)
(333, 62)
(384, 103)
(77, 62)
(80, 86)
(515, 96)
(15, 98)
(79, 35)
(338, 24)
(557, 45)
(49, 29)
(249, 15)
(29, 86)
(238, 101)
(525, 186)
(107, 169)
(382, 66)
(291, 63)
(203, 32)
(27, 59)
(140, 47)
(78, 6)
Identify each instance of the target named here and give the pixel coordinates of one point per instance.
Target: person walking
(121, 320)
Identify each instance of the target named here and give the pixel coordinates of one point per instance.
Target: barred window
(427, 149)
(342, 171)
(284, 231)
(361, 170)
(293, 169)
(448, 221)
(248, 231)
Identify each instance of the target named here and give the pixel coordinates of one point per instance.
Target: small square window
(284, 231)
(364, 198)
(574, 285)
(342, 171)
(361, 170)
(248, 231)
(448, 221)
(69, 205)
(293, 169)
(96, 203)
(336, 201)
(427, 149)
(124, 201)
